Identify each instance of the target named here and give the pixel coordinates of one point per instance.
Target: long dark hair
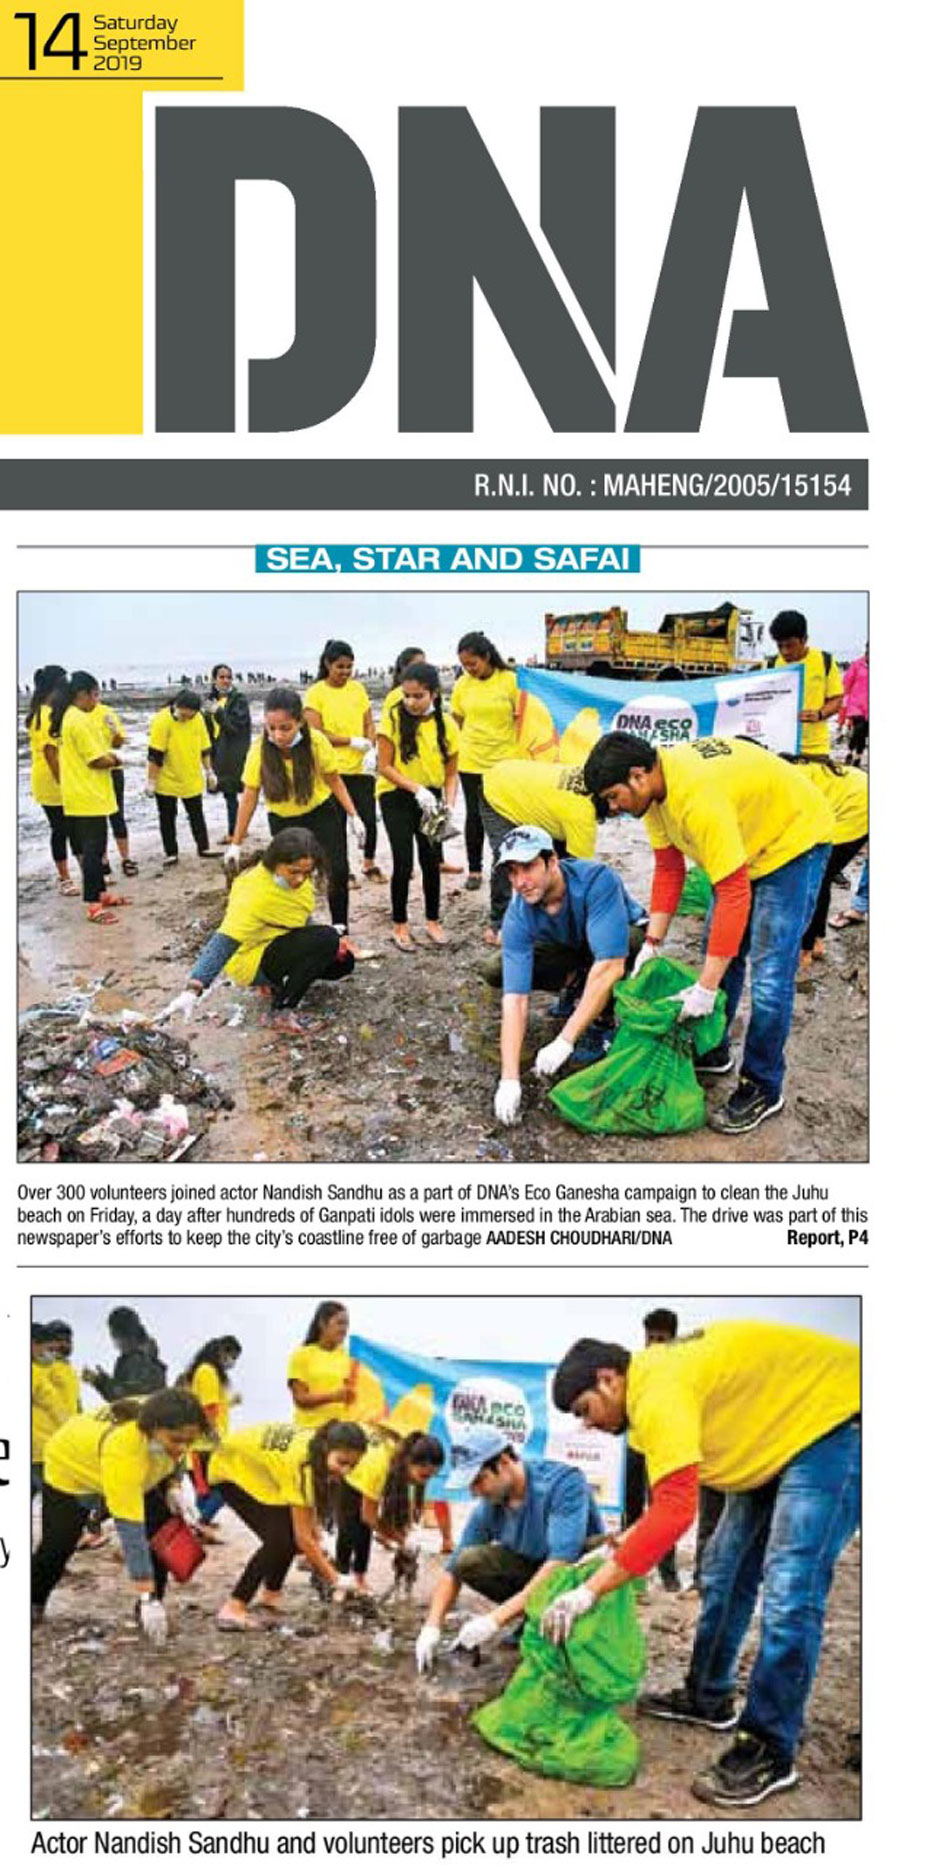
(402, 1500)
(806, 757)
(46, 682)
(337, 1435)
(211, 1355)
(333, 651)
(65, 695)
(276, 772)
(477, 643)
(324, 1313)
(173, 1409)
(405, 660)
(428, 676)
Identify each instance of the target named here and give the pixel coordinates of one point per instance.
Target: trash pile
(98, 1088)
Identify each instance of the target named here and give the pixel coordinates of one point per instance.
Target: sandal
(98, 916)
(405, 945)
(472, 883)
(373, 873)
(67, 888)
(436, 935)
(841, 921)
(114, 900)
(129, 867)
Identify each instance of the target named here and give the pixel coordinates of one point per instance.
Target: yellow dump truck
(685, 647)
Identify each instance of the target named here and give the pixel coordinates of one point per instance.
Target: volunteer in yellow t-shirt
(44, 775)
(762, 833)
(86, 764)
(267, 936)
(321, 1376)
(418, 752)
(822, 682)
(282, 1481)
(770, 1415)
(845, 789)
(519, 790)
(130, 1454)
(179, 752)
(484, 705)
(338, 705)
(389, 1483)
(294, 769)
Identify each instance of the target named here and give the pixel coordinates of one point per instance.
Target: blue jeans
(860, 899)
(785, 1538)
(782, 904)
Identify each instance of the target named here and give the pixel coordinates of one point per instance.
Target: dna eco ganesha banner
(452, 1398)
(765, 706)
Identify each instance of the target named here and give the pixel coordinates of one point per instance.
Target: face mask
(297, 740)
(279, 880)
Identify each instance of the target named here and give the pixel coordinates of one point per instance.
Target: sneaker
(678, 1706)
(170, 861)
(746, 1108)
(594, 1044)
(716, 1061)
(747, 1774)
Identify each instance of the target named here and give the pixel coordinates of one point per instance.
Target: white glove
(211, 782)
(552, 1057)
(646, 951)
(110, 725)
(359, 744)
(426, 801)
(559, 1618)
(231, 858)
(696, 1001)
(417, 1540)
(153, 1620)
(425, 1648)
(357, 828)
(181, 1501)
(181, 1006)
(507, 1102)
(477, 1631)
(150, 790)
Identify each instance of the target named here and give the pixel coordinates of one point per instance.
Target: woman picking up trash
(418, 760)
(266, 936)
(179, 750)
(294, 769)
(45, 774)
(389, 1483)
(87, 763)
(130, 1455)
(484, 704)
(338, 705)
(280, 1481)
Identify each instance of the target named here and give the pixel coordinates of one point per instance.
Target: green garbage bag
(696, 894)
(646, 1081)
(556, 1716)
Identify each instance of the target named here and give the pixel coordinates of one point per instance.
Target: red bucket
(180, 1550)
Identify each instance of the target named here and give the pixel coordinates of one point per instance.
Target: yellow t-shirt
(45, 787)
(90, 1456)
(551, 795)
(846, 792)
(206, 1386)
(370, 1475)
(183, 742)
(428, 765)
(739, 1399)
(84, 791)
(46, 1418)
(321, 1369)
(818, 686)
(343, 710)
(488, 710)
(258, 911)
(270, 1462)
(323, 761)
(732, 803)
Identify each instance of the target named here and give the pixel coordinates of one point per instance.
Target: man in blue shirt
(530, 1518)
(567, 925)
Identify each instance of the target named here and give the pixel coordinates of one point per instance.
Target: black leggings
(475, 828)
(117, 819)
(354, 1536)
(362, 789)
(61, 832)
(328, 824)
(402, 815)
(271, 1522)
(64, 1519)
(167, 817)
(296, 959)
(88, 834)
(857, 737)
(842, 853)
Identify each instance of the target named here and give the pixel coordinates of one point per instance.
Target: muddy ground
(400, 1062)
(323, 1716)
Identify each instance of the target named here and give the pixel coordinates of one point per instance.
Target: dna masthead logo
(459, 227)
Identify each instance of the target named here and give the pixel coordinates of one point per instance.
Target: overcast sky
(280, 631)
(466, 1327)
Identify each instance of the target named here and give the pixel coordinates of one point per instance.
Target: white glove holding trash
(211, 782)
(231, 859)
(426, 801)
(696, 1001)
(507, 1102)
(477, 1631)
(357, 828)
(425, 1648)
(181, 1501)
(181, 1006)
(552, 1057)
(153, 1620)
(646, 951)
(559, 1618)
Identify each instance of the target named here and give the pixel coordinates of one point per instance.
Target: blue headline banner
(447, 559)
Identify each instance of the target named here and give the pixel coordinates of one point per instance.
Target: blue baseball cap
(523, 844)
(471, 1455)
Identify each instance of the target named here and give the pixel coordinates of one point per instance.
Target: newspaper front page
(453, 475)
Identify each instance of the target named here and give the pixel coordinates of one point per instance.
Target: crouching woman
(267, 936)
(131, 1456)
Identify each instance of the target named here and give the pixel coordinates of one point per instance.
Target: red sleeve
(731, 906)
(668, 880)
(670, 1513)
